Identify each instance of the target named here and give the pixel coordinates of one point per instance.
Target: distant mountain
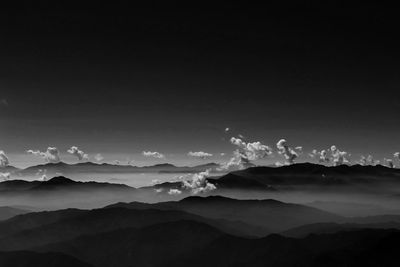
(65, 169)
(329, 228)
(308, 174)
(9, 168)
(270, 215)
(8, 212)
(60, 192)
(353, 209)
(57, 183)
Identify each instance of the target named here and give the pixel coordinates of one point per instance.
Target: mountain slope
(269, 214)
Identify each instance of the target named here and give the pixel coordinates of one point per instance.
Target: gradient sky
(117, 80)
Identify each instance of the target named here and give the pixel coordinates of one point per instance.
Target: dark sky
(118, 79)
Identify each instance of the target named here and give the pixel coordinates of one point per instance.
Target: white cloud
(154, 154)
(288, 153)
(3, 159)
(98, 157)
(200, 154)
(245, 153)
(74, 150)
(227, 129)
(50, 155)
(321, 156)
(159, 190)
(369, 160)
(339, 157)
(174, 192)
(5, 175)
(222, 154)
(198, 183)
(397, 155)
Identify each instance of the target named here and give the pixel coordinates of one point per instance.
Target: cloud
(339, 157)
(154, 154)
(51, 155)
(5, 175)
(3, 159)
(174, 192)
(322, 155)
(159, 190)
(288, 153)
(397, 155)
(227, 129)
(200, 154)
(369, 160)
(74, 150)
(245, 153)
(198, 183)
(98, 157)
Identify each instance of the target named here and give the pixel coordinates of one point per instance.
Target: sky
(119, 80)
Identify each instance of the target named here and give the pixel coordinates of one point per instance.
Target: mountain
(36, 229)
(9, 168)
(61, 192)
(8, 212)
(188, 243)
(32, 259)
(268, 214)
(57, 183)
(55, 169)
(306, 175)
(327, 228)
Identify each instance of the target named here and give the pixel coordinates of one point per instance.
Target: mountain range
(198, 231)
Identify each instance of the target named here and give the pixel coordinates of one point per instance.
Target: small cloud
(74, 150)
(397, 155)
(222, 154)
(154, 154)
(159, 190)
(321, 156)
(200, 154)
(339, 157)
(3, 159)
(288, 153)
(51, 155)
(174, 192)
(98, 157)
(227, 129)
